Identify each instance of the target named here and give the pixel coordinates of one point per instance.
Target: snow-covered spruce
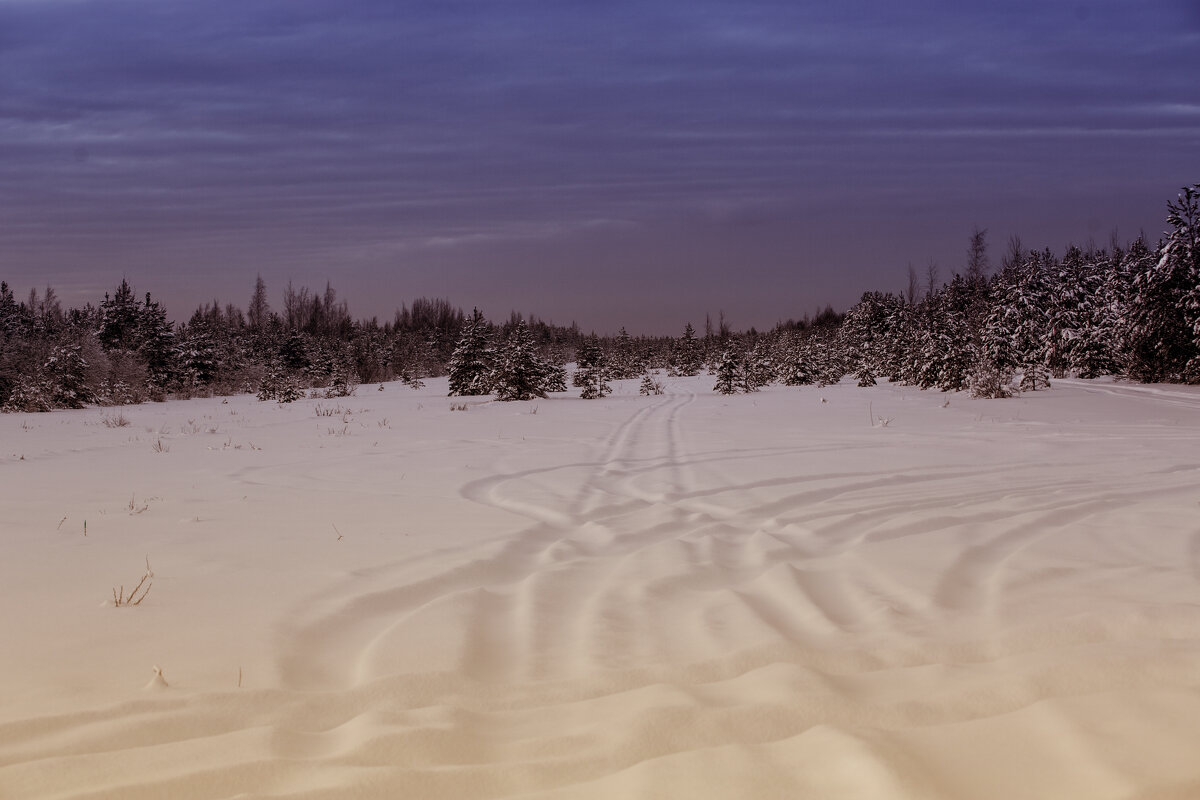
(687, 355)
(730, 373)
(591, 373)
(520, 372)
(473, 359)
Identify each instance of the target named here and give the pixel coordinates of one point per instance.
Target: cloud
(288, 124)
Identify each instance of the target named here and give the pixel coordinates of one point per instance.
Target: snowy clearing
(774, 595)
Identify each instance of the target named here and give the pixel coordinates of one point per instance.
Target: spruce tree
(520, 373)
(1015, 336)
(624, 362)
(12, 343)
(1094, 348)
(279, 385)
(156, 345)
(950, 351)
(556, 377)
(1064, 311)
(64, 374)
(649, 385)
(10, 312)
(196, 354)
(1165, 307)
(472, 361)
(795, 365)
(687, 356)
(730, 375)
(591, 374)
(759, 367)
(119, 317)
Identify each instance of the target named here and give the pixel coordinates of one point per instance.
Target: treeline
(1131, 311)
(125, 350)
(1128, 311)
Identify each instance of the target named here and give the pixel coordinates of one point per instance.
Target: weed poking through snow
(133, 598)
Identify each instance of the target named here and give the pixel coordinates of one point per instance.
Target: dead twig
(133, 598)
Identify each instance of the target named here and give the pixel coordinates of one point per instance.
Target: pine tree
(730, 374)
(1165, 307)
(1016, 332)
(370, 352)
(624, 362)
(196, 355)
(343, 380)
(591, 374)
(556, 377)
(649, 385)
(759, 367)
(1112, 307)
(687, 356)
(862, 334)
(901, 340)
(999, 351)
(119, 316)
(1183, 247)
(828, 356)
(64, 373)
(10, 312)
(156, 345)
(472, 361)
(30, 393)
(520, 373)
(795, 363)
(1094, 348)
(12, 343)
(950, 349)
(279, 385)
(1064, 312)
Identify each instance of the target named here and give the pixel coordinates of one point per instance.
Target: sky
(637, 164)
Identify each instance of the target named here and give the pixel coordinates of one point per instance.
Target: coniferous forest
(1129, 310)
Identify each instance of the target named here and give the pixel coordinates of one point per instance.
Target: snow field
(686, 595)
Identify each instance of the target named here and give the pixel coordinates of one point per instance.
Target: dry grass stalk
(133, 598)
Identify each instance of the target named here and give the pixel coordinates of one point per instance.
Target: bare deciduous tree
(977, 258)
(1015, 255)
(914, 285)
(931, 277)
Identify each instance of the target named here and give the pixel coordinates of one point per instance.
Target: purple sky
(611, 163)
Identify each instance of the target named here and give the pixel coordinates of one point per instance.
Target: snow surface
(688, 595)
